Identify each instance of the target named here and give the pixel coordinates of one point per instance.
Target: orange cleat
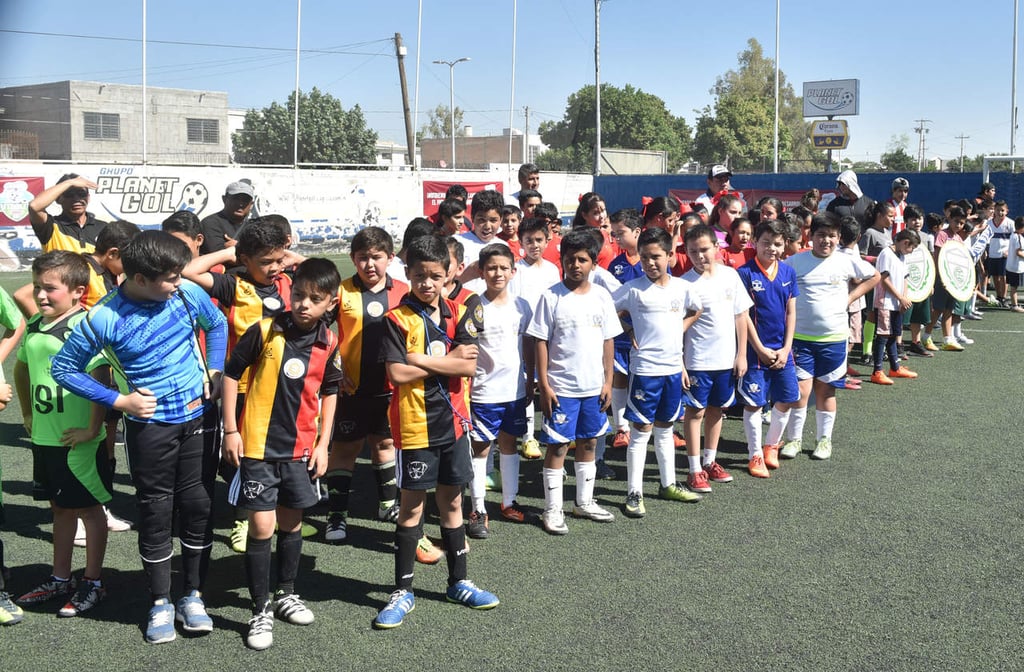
(902, 372)
(756, 467)
(771, 456)
(879, 378)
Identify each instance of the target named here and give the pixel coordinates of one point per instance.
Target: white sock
(958, 330)
(509, 478)
(478, 488)
(825, 420)
(636, 456)
(778, 424)
(586, 472)
(530, 418)
(752, 428)
(491, 450)
(620, 396)
(709, 455)
(927, 333)
(665, 451)
(600, 448)
(795, 428)
(694, 463)
(553, 488)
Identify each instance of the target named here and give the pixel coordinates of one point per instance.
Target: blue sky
(947, 62)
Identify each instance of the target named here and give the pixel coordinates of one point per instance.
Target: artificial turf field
(902, 552)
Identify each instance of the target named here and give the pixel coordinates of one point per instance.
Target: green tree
(327, 133)
(971, 165)
(739, 127)
(439, 124)
(898, 161)
(630, 119)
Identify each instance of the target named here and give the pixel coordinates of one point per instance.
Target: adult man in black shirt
(74, 229)
(220, 229)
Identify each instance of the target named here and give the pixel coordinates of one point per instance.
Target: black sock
(454, 542)
(257, 569)
(289, 550)
(159, 576)
(387, 486)
(406, 539)
(3, 570)
(339, 482)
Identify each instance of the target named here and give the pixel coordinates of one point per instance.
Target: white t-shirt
(710, 344)
(530, 281)
(471, 246)
(890, 262)
(500, 375)
(999, 243)
(602, 277)
(1015, 264)
(824, 292)
(657, 313)
(861, 303)
(575, 327)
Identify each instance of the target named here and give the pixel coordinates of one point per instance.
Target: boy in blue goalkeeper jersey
(148, 331)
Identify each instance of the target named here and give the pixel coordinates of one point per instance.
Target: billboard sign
(832, 98)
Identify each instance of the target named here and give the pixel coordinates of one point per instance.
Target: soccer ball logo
(193, 197)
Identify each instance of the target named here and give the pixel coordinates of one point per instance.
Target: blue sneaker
(160, 627)
(465, 592)
(400, 603)
(192, 614)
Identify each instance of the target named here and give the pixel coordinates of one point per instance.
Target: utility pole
(961, 138)
(410, 137)
(597, 88)
(921, 132)
(526, 135)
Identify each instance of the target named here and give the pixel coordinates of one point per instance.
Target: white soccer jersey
(824, 292)
(500, 375)
(657, 313)
(710, 344)
(530, 282)
(471, 246)
(893, 264)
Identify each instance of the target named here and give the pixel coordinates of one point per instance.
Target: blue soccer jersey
(770, 293)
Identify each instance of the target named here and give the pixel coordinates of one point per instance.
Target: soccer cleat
(478, 526)
(85, 598)
(307, 530)
(428, 553)
(698, 482)
(290, 609)
(465, 592)
(879, 378)
(675, 492)
(191, 613)
(399, 604)
(791, 449)
(605, 472)
(48, 590)
(261, 629)
(621, 439)
(10, 613)
(160, 627)
(531, 449)
(716, 473)
(823, 450)
(388, 514)
(679, 441)
(952, 346)
(553, 521)
(963, 340)
(493, 482)
(635, 505)
(80, 534)
(918, 349)
(239, 536)
(852, 384)
(115, 524)
(337, 528)
(513, 513)
(757, 467)
(592, 511)
(1017, 309)
(771, 456)
(930, 346)
(902, 372)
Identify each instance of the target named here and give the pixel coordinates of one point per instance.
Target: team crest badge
(374, 309)
(252, 489)
(294, 368)
(416, 470)
(272, 303)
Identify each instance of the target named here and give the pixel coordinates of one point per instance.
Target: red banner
(15, 195)
(433, 193)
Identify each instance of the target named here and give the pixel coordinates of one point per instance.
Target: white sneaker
(965, 341)
(115, 524)
(261, 630)
(80, 534)
(290, 609)
(592, 511)
(554, 522)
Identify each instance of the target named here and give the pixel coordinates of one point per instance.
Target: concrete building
(476, 152)
(94, 122)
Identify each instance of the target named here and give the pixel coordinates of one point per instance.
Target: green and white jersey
(54, 409)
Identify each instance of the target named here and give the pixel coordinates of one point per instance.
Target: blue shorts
(763, 384)
(710, 388)
(575, 418)
(489, 419)
(654, 398)
(822, 361)
(995, 266)
(621, 359)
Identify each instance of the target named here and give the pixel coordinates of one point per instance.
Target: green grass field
(898, 554)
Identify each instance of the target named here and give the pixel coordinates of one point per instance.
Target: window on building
(205, 131)
(102, 126)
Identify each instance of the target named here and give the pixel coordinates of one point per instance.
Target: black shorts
(1014, 279)
(72, 478)
(995, 266)
(424, 468)
(264, 485)
(359, 417)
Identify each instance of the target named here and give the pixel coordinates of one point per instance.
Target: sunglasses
(76, 193)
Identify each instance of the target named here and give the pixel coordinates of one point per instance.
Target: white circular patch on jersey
(437, 349)
(272, 303)
(294, 368)
(375, 309)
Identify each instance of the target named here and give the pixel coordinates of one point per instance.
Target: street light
(451, 98)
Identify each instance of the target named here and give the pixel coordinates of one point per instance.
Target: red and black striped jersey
(432, 411)
(289, 369)
(361, 315)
